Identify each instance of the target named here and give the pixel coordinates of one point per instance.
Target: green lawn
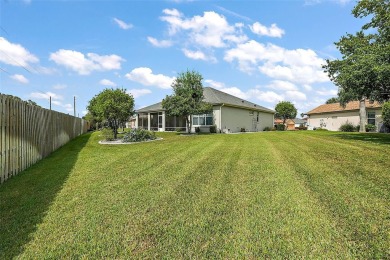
(266, 195)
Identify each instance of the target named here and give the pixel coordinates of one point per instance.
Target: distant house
(300, 122)
(332, 116)
(131, 122)
(230, 114)
(292, 124)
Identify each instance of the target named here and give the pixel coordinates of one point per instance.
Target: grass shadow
(377, 138)
(25, 198)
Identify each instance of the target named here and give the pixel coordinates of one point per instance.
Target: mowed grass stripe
(266, 195)
(360, 212)
(368, 162)
(118, 199)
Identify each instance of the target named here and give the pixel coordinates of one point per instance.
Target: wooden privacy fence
(29, 133)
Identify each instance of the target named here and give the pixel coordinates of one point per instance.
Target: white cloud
(273, 31)
(122, 24)
(282, 85)
(327, 92)
(84, 65)
(68, 107)
(214, 84)
(198, 55)
(60, 86)
(295, 95)
(298, 66)
(15, 54)
(146, 77)
(266, 96)
(160, 44)
(307, 87)
(235, 92)
(19, 78)
(230, 90)
(106, 82)
(47, 95)
(209, 30)
(136, 93)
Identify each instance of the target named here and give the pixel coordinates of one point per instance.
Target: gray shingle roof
(216, 97)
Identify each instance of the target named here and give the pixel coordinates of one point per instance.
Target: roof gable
(215, 96)
(336, 107)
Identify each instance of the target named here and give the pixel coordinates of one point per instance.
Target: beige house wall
(233, 119)
(333, 121)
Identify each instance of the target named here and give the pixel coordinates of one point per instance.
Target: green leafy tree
(285, 110)
(112, 105)
(94, 121)
(187, 98)
(332, 100)
(386, 114)
(363, 72)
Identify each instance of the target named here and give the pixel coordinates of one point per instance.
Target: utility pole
(50, 103)
(74, 106)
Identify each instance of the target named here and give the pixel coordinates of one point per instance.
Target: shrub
(243, 130)
(386, 114)
(280, 127)
(347, 127)
(357, 128)
(108, 134)
(197, 130)
(301, 128)
(213, 129)
(370, 128)
(267, 128)
(138, 135)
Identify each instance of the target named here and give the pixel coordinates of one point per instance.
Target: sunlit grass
(264, 195)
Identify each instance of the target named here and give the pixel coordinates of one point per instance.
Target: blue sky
(261, 51)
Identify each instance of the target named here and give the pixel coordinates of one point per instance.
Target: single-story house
(300, 122)
(131, 122)
(332, 116)
(230, 115)
(292, 124)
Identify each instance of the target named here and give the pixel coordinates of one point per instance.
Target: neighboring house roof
(336, 107)
(300, 121)
(216, 97)
(290, 121)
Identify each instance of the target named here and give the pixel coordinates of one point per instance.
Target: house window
(205, 119)
(257, 118)
(371, 118)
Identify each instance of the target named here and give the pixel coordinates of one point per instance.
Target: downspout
(220, 117)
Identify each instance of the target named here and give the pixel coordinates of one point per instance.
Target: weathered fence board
(30, 133)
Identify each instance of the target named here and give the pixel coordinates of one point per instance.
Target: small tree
(386, 114)
(285, 110)
(112, 105)
(188, 97)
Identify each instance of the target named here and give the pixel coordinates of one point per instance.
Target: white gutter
(220, 117)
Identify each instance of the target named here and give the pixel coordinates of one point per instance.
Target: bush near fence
(30, 133)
